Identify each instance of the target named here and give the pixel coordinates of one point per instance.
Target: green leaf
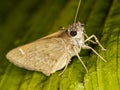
(24, 21)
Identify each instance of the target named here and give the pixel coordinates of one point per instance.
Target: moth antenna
(77, 11)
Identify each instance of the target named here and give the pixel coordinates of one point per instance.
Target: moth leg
(89, 39)
(61, 28)
(75, 50)
(93, 36)
(88, 47)
(68, 60)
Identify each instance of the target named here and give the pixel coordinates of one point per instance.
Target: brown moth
(54, 52)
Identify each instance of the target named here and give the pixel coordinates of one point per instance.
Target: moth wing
(56, 34)
(45, 55)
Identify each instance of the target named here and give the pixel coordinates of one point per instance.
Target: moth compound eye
(73, 33)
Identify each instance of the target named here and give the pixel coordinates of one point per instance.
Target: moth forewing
(18, 56)
(56, 34)
(47, 54)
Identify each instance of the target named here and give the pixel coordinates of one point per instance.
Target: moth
(53, 52)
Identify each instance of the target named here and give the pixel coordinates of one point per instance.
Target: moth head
(76, 30)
